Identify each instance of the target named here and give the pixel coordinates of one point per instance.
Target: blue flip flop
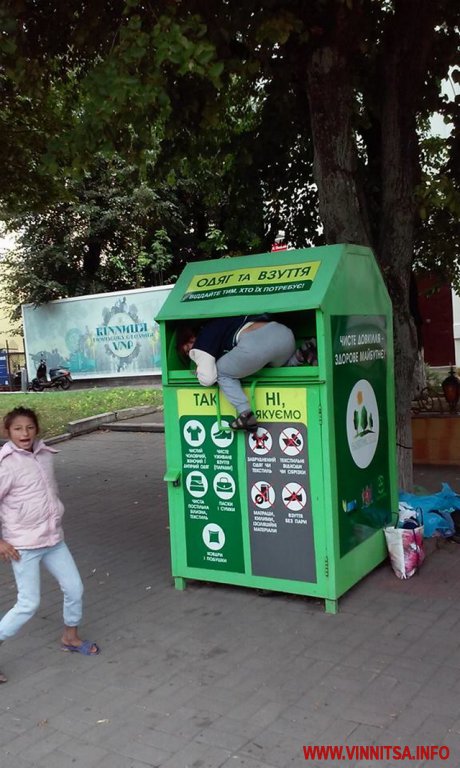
(85, 648)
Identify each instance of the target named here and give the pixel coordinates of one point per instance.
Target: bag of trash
(408, 517)
(436, 509)
(438, 522)
(405, 542)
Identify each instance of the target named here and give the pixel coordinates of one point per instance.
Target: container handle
(219, 414)
(219, 423)
(173, 476)
(252, 395)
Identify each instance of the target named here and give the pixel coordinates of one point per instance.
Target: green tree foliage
(438, 237)
(110, 233)
(155, 87)
(257, 115)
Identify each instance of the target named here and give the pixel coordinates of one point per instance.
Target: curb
(148, 426)
(91, 423)
(58, 438)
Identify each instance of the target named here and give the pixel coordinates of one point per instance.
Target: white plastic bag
(405, 548)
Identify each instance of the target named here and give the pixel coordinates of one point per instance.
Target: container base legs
(180, 583)
(331, 606)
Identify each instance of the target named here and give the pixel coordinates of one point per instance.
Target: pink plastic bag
(405, 548)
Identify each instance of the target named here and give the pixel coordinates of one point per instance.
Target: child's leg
(27, 575)
(60, 563)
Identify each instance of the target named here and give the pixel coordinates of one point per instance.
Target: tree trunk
(407, 42)
(342, 207)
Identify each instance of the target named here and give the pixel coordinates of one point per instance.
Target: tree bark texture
(407, 43)
(343, 208)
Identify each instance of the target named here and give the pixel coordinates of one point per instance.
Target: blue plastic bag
(436, 509)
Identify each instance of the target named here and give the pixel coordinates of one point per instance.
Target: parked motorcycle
(60, 378)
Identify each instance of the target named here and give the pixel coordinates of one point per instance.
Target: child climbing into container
(227, 349)
(30, 515)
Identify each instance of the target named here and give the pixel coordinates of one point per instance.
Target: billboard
(98, 336)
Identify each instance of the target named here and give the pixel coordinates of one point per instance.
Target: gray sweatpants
(273, 344)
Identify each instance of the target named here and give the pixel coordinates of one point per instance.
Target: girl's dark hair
(20, 411)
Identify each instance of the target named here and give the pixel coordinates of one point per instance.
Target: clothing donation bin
(300, 505)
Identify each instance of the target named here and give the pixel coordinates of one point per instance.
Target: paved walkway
(218, 676)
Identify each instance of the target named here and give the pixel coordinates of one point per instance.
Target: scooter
(60, 378)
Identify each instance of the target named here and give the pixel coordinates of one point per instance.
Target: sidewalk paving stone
(216, 676)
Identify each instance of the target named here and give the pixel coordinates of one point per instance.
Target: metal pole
(10, 380)
(24, 374)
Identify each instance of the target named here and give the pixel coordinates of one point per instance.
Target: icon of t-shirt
(194, 432)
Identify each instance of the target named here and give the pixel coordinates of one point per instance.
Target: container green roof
(280, 281)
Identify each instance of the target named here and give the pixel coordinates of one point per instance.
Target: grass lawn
(55, 409)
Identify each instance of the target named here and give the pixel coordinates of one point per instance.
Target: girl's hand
(8, 552)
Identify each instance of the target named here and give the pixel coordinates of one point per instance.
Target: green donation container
(299, 506)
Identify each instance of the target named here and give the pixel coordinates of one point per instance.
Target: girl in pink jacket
(31, 514)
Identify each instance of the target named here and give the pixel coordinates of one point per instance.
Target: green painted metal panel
(248, 284)
(296, 508)
(247, 509)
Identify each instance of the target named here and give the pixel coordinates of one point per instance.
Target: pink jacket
(30, 509)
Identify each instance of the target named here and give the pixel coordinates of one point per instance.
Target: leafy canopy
(207, 108)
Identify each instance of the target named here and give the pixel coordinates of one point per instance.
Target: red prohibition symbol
(263, 494)
(294, 496)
